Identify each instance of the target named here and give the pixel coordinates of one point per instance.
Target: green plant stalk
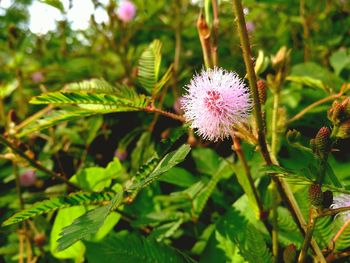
(2, 112)
(204, 37)
(274, 143)
(215, 27)
(238, 149)
(308, 236)
(35, 164)
(282, 186)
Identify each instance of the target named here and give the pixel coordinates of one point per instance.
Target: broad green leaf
(149, 66)
(307, 81)
(56, 203)
(340, 60)
(201, 199)
(64, 218)
(87, 224)
(178, 176)
(207, 161)
(133, 249)
(7, 89)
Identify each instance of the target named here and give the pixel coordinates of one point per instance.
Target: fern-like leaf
(246, 236)
(56, 203)
(149, 65)
(133, 249)
(91, 101)
(93, 86)
(55, 117)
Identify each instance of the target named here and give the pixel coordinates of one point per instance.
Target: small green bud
(293, 136)
(315, 195)
(327, 199)
(290, 254)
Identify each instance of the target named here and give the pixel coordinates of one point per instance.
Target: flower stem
(204, 37)
(214, 48)
(35, 164)
(308, 235)
(238, 149)
(282, 186)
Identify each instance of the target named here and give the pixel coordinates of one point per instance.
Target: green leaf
(92, 86)
(307, 81)
(92, 101)
(161, 83)
(207, 161)
(201, 199)
(178, 176)
(55, 117)
(340, 60)
(7, 89)
(56, 203)
(64, 218)
(54, 3)
(87, 224)
(133, 249)
(248, 239)
(161, 166)
(343, 240)
(149, 65)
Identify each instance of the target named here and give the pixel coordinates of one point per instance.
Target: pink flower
(37, 77)
(342, 200)
(121, 154)
(28, 178)
(126, 11)
(216, 100)
(177, 106)
(250, 26)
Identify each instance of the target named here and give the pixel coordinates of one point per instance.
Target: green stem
(308, 235)
(282, 186)
(35, 164)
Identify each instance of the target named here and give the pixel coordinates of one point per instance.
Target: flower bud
(40, 239)
(315, 195)
(343, 131)
(339, 112)
(121, 154)
(126, 11)
(28, 178)
(293, 136)
(262, 91)
(327, 199)
(322, 142)
(290, 254)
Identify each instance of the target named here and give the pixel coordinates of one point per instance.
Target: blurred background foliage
(185, 209)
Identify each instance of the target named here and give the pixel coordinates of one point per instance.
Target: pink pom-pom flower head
(28, 178)
(216, 99)
(340, 201)
(126, 11)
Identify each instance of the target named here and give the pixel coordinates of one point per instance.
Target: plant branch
(329, 211)
(308, 235)
(36, 164)
(282, 186)
(165, 113)
(313, 105)
(214, 48)
(204, 37)
(238, 149)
